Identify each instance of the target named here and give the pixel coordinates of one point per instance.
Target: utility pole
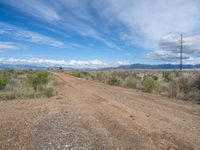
(181, 53)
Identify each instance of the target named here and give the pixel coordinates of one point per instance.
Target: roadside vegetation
(174, 84)
(21, 84)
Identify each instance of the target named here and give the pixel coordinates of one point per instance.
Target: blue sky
(98, 33)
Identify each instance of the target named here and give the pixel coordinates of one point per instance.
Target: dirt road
(95, 116)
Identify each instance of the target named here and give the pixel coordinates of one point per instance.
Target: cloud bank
(94, 63)
(51, 62)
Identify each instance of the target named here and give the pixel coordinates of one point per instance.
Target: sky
(98, 33)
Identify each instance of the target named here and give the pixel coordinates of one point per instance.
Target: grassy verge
(19, 84)
(173, 84)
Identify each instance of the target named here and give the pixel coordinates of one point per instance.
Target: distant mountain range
(159, 66)
(12, 66)
(132, 66)
(36, 67)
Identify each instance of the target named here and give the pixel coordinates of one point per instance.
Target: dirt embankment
(91, 115)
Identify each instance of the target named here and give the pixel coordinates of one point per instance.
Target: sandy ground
(95, 116)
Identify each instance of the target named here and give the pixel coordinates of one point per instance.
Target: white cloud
(154, 18)
(148, 21)
(144, 21)
(39, 39)
(35, 61)
(123, 63)
(2, 32)
(51, 62)
(29, 36)
(193, 60)
(169, 48)
(141, 22)
(9, 46)
(36, 8)
(90, 62)
(73, 14)
(94, 63)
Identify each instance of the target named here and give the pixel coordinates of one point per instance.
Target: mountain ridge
(158, 66)
(131, 66)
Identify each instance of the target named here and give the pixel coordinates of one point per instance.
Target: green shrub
(131, 82)
(149, 85)
(38, 78)
(26, 84)
(49, 92)
(183, 84)
(3, 81)
(198, 83)
(76, 73)
(113, 80)
(102, 76)
(93, 76)
(166, 75)
(7, 96)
